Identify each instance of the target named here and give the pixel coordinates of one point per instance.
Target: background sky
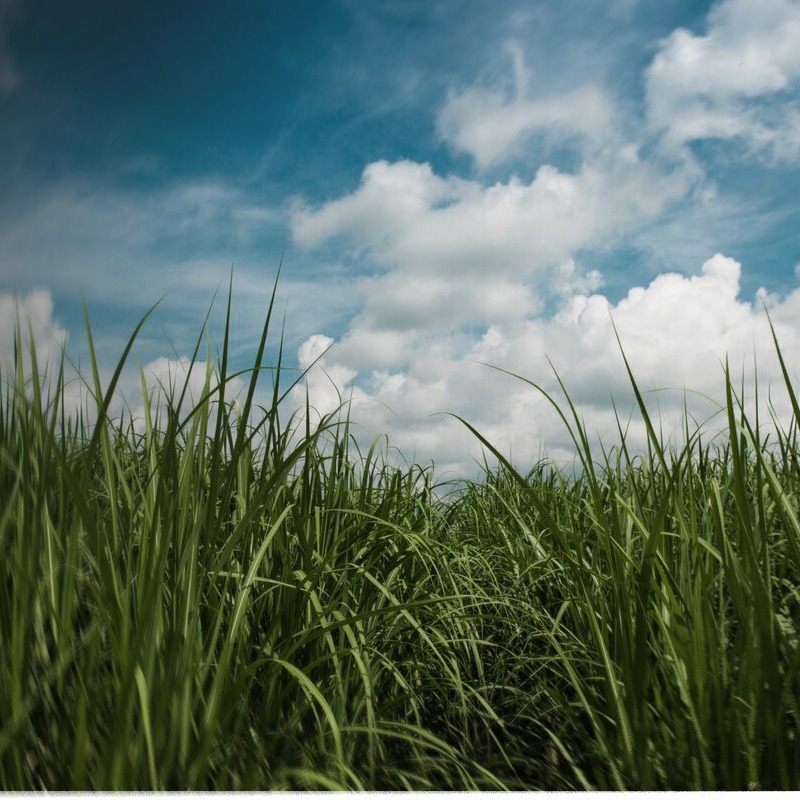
(447, 182)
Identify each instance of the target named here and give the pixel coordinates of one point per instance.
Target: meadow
(222, 599)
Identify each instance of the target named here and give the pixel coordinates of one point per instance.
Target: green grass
(226, 600)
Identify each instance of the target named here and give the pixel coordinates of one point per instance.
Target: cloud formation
(85, 234)
(34, 313)
(491, 124)
(453, 255)
(676, 333)
(162, 377)
(126, 248)
(405, 216)
(164, 381)
(466, 271)
(439, 271)
(738, 81)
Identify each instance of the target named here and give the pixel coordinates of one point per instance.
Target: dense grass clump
(218, 600)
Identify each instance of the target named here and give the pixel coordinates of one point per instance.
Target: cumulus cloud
(492, 125)
(463, 273)
(165, 379)
(40, 330)
(467, 272)
(404, 215)
(454, 254)
(326, 383)
(739, 81)
(34, 312)
(568, 278)
(676, 332)
(401, 302)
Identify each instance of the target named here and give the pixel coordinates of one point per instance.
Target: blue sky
(447, 182)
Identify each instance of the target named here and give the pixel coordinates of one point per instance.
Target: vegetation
(213, 603)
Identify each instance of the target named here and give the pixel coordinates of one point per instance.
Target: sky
(448, 186)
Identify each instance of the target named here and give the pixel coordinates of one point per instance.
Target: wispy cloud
(492, 124)
(28, 326)
(81, 232)
(178, 243)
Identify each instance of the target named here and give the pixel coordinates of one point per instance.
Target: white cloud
(738, 81)
(127, 247)
(403, 215)
(327, 384)
(568, 278)
(457, 254)
(124, 250)
(169, 376)
(491, 125)
(34, 312)
(373, 347)
(676, 332)
(390, 200)
(165, 379)
(405, 302)
(464, 270)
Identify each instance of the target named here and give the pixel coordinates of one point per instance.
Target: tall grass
(226, 600)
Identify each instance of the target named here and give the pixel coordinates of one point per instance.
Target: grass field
(224, 601)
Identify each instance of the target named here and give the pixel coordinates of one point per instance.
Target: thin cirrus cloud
(127, 249)
(117, 242)
(490, 124)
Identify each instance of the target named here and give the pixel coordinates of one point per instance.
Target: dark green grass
(224, 600)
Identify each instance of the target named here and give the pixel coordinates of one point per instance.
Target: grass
(224, 600)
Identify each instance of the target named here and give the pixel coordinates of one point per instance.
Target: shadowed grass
(672, 594)
(217, 599)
